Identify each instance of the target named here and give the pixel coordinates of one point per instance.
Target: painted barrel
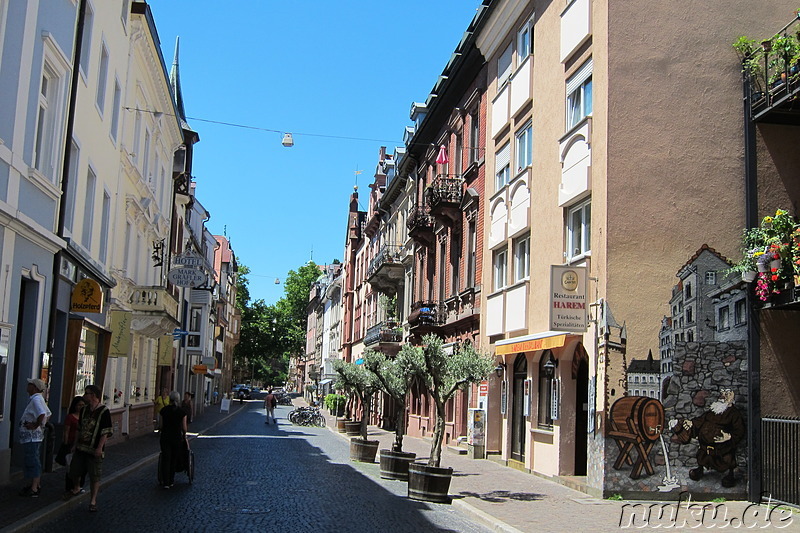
(645, 414)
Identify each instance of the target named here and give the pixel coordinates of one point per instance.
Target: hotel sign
(568, 305)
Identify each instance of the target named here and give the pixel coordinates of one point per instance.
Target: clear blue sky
(329, 68)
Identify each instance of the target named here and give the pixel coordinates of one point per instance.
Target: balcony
(420, 224)
(386, 270)
(386, 335)
(426, 317)
(444, 196)
(155, 310)
(772, 76)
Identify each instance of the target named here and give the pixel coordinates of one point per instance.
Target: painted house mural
(692, 438)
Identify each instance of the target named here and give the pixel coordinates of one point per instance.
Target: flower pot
(429, 483)
(363, 451)
(394, 465)
(762, 266)
(749, 276)
(352, 428)
(775, 264)
(340, 424)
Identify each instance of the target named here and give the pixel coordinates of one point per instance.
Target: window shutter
(555, 400)
(579, 77)
(502, 158)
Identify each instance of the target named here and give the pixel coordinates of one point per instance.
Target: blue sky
(319, 69)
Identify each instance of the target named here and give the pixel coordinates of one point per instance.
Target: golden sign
(87, 297)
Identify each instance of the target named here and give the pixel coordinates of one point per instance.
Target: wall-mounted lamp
(156, 114)
(550, 366)
(287, 141)
(500, 369)
(710, 324)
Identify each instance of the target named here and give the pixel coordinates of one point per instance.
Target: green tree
(362, 382)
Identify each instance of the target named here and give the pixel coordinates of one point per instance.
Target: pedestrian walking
(31, 435)
(188, 406)
(160, 402)
(270, 402)
(71, 437)
(94, 429)
(172, 439)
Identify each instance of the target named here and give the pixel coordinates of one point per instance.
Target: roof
(644, 366)
(702, 249)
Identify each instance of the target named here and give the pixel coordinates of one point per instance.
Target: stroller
(183, 463)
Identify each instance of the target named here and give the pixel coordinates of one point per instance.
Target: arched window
(545, 418)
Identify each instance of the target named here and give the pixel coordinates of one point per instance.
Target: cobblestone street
(253, 476)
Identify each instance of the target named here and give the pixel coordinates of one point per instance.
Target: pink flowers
(762, 287)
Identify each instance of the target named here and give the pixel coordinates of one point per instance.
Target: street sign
(186, 277)
(178, 332)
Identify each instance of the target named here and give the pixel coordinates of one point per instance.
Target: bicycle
(306, 416)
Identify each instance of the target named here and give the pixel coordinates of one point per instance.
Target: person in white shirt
(31, 435)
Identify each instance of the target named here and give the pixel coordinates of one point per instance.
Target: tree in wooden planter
(443, 375)
(364, 385)
(395, 376)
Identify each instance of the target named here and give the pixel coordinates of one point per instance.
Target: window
(47, 123)
(740, 312)
(126, 252)
(499, 268)
(723, 320)
(124, 14)
(72, 180)
(545, 418)
(117, 106)
(504, 67)
(690, 336)
(524, 42)
(455, 255)
(687, 289)
(474, 137)
(579, 236)
(102, 79)
(88, 212)
(442, 272)
(137, 135)
(522, 258)
(502, 162)
(472, 239)
(524, 147)
(689, 317)
(579, 95)
(146, 156)
(711, 278)
(459, 155)
(86, 39)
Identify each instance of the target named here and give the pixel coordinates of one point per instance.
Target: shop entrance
(518, 412)
(581, 369)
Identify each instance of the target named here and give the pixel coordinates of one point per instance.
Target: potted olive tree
(443, 375)
(364, 385)
(395, 376)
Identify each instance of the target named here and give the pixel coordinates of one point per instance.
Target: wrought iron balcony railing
(445, 190)
(420, 219)
(384, 332)
(426, 314)
(388, 254)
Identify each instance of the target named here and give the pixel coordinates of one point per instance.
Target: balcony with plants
(426, 317)
(420, 224)
(386, 270)
(444, 197)
(771, 74)
(771, 260)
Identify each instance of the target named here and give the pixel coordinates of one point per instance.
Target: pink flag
(442, 157)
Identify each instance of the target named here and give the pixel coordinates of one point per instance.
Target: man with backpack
(270, 402)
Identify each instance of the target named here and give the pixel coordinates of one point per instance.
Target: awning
(325, 381)
(545, 340)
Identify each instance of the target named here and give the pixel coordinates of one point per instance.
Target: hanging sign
(87, 297)
(568, 306)
(165, 350)
(199, 369)
(186, 277)
(188, 259)
(120, 334)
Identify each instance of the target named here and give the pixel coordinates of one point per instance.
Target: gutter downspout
(754, 467)
(62, 205)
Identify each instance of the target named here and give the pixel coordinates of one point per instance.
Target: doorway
(580, 366)
(518, 411)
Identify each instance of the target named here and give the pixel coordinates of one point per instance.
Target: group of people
(173, 419)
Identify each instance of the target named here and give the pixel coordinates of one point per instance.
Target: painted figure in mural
(718, 431)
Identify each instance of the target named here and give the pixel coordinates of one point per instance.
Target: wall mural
(678, 424)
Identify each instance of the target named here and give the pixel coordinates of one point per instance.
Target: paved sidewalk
(22, 514)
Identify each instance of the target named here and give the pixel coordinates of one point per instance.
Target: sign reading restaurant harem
(87, 297)
(568, 305)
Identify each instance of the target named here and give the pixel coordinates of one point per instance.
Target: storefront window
(87, 360)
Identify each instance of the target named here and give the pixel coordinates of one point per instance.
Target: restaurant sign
(568, 305)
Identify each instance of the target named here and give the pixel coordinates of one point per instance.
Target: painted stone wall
(654, 447)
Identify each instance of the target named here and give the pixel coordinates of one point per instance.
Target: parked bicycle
(307, 416)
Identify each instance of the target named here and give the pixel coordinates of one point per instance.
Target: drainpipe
(62, 203)
(753, 329)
